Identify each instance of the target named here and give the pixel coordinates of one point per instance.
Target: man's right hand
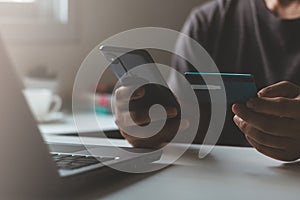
(139, 114)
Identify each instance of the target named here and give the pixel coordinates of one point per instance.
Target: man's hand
(271, 122)
(139, 115)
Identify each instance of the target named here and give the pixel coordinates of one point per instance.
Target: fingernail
(262, 92)
(236, 108)
(237, 120)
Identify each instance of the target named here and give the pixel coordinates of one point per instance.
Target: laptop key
(70, 162)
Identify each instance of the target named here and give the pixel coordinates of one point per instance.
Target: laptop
(27, 169)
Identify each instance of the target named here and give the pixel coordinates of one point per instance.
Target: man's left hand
(271, 122)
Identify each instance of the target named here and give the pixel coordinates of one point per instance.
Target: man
(260, 37)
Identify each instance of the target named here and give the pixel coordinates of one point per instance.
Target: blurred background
(48, 39)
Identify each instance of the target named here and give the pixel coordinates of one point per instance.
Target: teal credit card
(239, 88)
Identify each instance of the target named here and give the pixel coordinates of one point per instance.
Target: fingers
(165, 135)
(123, 101)
(123, 91)
(141, 117)
(268, 124)
(281, 89)
(271, 152)
(279, 106)
(261, 137)
(280, 148)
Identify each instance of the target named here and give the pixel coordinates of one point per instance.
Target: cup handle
(57, 103)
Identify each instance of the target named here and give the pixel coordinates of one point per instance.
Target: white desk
(228, 173)
(67, 125)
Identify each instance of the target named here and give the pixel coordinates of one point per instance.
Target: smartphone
(239, 88)
(123, 60)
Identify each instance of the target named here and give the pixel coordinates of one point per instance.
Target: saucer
(52, 117)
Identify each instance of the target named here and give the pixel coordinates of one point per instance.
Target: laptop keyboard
(71, 162)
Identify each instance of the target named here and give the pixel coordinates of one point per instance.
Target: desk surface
(227, 173)
(67, 125)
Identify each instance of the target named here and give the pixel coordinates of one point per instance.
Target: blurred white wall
(97, 20)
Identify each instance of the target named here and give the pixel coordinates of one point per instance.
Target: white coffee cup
(42, 102)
